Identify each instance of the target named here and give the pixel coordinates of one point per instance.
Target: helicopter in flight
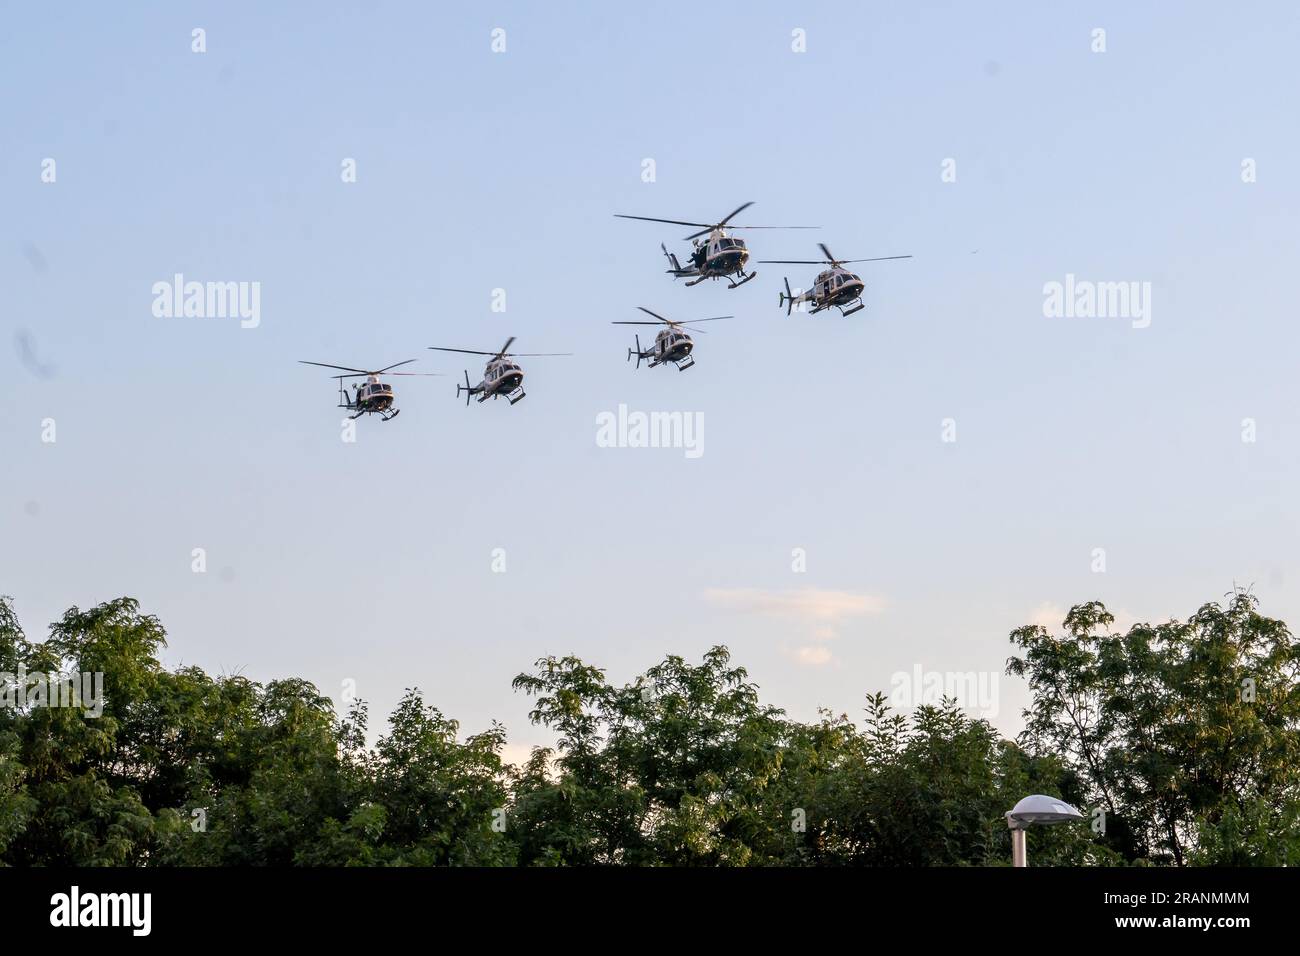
(719, 256)
(672, 342)
(501, 378)
(835, 287)
(371, 397)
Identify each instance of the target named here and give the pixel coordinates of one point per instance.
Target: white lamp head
(1040, 810)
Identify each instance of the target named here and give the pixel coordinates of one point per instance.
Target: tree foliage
(1180, 738)
(1183, 733)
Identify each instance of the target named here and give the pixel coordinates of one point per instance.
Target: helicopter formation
(715, 254)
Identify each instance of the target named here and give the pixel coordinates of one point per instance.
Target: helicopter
(672, 343)
(719, 256)
(501, 378)
(373, 397)
(835, 287)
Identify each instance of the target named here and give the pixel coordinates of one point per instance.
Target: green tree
(443, 802)
(1181, 737)
(673, 769)
(1184, 733)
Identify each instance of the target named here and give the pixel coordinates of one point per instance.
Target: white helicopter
(372, 397)
(502, 377)
(835, 287)
(672, 343)
(719, 256)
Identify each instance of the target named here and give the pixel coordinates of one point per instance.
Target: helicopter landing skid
(697, 281)
(857, 308)
(736, 285)
(389, 418)
(685, 363)
(515, 397)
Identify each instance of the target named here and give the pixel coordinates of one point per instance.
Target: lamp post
(1035, 810)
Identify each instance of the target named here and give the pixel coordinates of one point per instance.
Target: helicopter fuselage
(671, 346)
(837, 288)
(374, 397)
(371, 398)
(501, 378)
(720, 256)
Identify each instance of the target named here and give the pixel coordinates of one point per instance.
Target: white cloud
(828, 606)
(1051, 616)
(1047, 615)
(517, 754)
(821, 611)
(813, 655)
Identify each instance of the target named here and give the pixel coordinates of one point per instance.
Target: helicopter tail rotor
(638, 351)
(676, 270)
(787, 296)
(466, 388)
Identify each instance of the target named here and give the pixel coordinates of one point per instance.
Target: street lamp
(1035, 810)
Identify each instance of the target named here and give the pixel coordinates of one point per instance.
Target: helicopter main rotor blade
(671, 222)
(671, 325)
(383, 370)
(439, 348)
(503, 348)
(655, 314)
(734, 213)
(422, 374)
(342, 368)
(825, 262)
(534, 354)
(830, 256)
(355, 371)
(876, 259)
(726, 219)
(672, 322)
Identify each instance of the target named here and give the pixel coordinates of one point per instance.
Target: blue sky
(476, 170)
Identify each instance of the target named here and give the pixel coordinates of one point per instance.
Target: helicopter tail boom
(676, 271)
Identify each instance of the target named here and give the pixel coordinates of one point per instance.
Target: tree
(672, 769)
(1184, 733)
(1180, 738)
